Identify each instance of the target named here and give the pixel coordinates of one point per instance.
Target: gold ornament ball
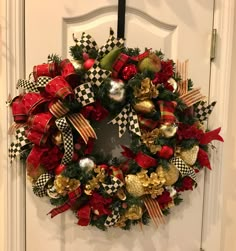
(144, 106)
(170, 174)
(134, 186)
(57, 138)
(78, 65)
(134, 212)
(168, 130)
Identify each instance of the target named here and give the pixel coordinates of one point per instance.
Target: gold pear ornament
(170, 174)
(189, 156)
(144, 106)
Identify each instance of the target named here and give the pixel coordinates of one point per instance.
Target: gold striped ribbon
(154, 210)
(192, 97)
(58, 109)
(82, 126)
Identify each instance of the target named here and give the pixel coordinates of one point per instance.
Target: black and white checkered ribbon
(27, 85)
(87, 42)
(112, 219)
(67, 135)
(39, 188)
(203, 110)
(42, 81)
(115, 185)
(16, 147)
(183, 168)
(96, 75)
(127, 118)
(111, 43)
(84, 94)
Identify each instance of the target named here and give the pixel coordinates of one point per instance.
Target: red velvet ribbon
(203, 159)
(142, 159)
(72, 198)
(141, 56)
(84, 215)
(212, 135)
(145, 161)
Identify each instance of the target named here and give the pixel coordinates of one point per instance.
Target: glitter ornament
(78, 65)
(134, 186)
(129, 71)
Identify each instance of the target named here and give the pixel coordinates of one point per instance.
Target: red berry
(85, 56)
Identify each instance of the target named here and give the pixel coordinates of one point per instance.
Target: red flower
(165, 73)
(187, 184)
(99, 204)
(95, 111)
(51, 158)
(189, 132)
(164, 199)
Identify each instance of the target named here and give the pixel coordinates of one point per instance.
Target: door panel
(169, 25)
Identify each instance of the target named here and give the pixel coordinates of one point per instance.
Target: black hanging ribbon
(121, 19)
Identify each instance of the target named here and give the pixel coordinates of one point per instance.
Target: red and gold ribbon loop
(82, 126)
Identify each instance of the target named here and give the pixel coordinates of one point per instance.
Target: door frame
(12, 190)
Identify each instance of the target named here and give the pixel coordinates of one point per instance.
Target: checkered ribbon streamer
(67, 205)
(96, 75)
(113, 218)
(127, 118)
(183, 168)
(111, 43)
(115, 185)
(84, 94)
(203, 110)
(87, 42)
(27, 85)
(39, 188)
(16, 147)
(64, 127)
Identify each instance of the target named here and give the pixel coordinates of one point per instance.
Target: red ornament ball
(89, 63)
(129, 71)
(59, 169)
(166, 152)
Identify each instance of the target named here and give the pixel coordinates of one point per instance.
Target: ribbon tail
(133, 123)
(84, 215)
(82, 126)
(122, 120)
(144, 160)
(212, 135)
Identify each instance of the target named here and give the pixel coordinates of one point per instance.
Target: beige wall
(229, 177)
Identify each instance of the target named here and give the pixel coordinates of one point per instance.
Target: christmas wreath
(147, 96)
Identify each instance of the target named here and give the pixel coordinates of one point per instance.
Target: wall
(229, 188)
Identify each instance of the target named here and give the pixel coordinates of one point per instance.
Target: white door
(182, 29)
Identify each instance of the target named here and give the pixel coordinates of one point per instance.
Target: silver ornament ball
(87, 164)
(117, 90)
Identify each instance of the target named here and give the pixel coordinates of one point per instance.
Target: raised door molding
(12, 187)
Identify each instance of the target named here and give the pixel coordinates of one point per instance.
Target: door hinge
(213, 46)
